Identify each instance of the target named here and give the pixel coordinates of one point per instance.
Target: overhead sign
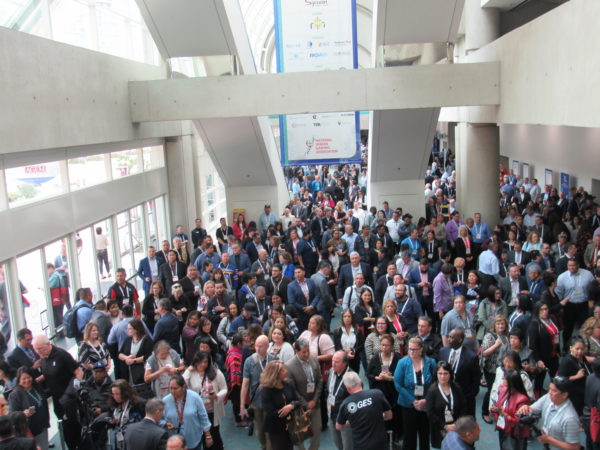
(315, 35)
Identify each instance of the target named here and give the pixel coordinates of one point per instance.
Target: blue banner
(317, 35)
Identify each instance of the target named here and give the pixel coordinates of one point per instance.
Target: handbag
(299, 426)
(595, 424)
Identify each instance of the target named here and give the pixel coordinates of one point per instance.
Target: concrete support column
(482, 25)
(183, 180)
(477, 155)
(405, 194)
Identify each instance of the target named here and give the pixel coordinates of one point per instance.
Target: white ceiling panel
(187, 27)
(237, 150)
(420, 21)
(401, 142)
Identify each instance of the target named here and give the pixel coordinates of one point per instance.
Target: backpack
(70, 320)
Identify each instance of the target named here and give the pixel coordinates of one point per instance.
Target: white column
(184, 184)
(477, 155)
(482, 25)
(405, 194)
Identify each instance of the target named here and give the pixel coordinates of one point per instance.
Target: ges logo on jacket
(353, 407)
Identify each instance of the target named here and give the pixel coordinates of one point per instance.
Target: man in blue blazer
(254, 246)
(346, 275)
(296, 291)
(421, 279)
(240, 260)
(148, 268)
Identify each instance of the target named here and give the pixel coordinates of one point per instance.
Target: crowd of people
(430, 312)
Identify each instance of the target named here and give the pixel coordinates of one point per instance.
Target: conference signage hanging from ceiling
(313, 35)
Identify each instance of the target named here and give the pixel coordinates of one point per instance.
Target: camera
(530, 420)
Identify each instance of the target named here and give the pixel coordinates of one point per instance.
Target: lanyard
(123, 411)
(449, 401)
(551, 327)
(431, 244)
(180, 411)
(100, 355)
(477, 230)
(468, 326)
(125, 291)
(332, 384)
(422, 373)
(404, 307)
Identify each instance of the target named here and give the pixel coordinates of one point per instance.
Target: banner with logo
(565, 183)
(315, 35)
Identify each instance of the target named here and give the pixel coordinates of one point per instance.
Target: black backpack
(70, 320)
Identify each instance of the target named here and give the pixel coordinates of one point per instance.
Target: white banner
(317, 35)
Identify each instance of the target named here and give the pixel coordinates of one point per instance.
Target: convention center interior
(299, 224)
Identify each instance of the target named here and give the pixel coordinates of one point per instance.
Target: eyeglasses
(414, 349)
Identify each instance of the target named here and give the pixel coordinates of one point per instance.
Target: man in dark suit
(465, 365)
(317, 226)
(347, 272)
(351, 220)
(148, 268)
(254, 246)
(171, 271)
(543, 230)
(303, 295)
(23, 354)
(300, 211)
(421, 279)
(167, 327)
(326, 301)
(216, 308)
(519, 257)
(147, 434)
(432, 342)
(508, 284)
(384, 282)
(163, 253)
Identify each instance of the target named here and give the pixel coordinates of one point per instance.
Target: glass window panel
(28, 184)
(113, 35)
(124, 163)
(125, 242)
(161, 218)
(87, 257)
(6, 312)
(86, 171)
(154, 157)
(61, 287)
(104, 274)
(210, 198)
(137, 236)
(71, 23)
(152, 230)
(31, 276)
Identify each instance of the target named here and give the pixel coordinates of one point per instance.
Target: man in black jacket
(23, 354)
(465, 366)
(167, 328)
(8, 440)
(147, 434)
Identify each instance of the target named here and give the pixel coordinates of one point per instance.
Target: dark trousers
(234, 395)
(540, 376)
(574, 314)
(57, 312)
(489, 379)
(415, 423)
(216, 435)
(470, 406)
(102, 257)
(280, 441)
(486, 282)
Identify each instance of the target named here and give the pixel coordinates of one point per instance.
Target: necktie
(452, 359)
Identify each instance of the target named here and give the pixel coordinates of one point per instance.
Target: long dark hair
(210, 369)
(514, 382)
(127, 393)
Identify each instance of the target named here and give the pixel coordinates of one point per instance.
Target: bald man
(253, 367)
(58, 369)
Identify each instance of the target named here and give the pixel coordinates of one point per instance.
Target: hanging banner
(548, 179)
(315, 35)
(565, 183)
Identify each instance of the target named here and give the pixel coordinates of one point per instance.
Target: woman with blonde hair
(279, 399)
(533, 242)
(590, 331)
(92, 349)
(338, 213)
(492, 344)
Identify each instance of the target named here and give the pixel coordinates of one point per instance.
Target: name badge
(468, 333)
(125, 300)
(310, 388)
(267, 277)
(556, 339)
(154, 274)
(331, 400)
(478, 236)
(468, 251)
(419, 390)
(448, 416)
(429, 255)
(366, 245)
(175, 278)
(501, 422)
